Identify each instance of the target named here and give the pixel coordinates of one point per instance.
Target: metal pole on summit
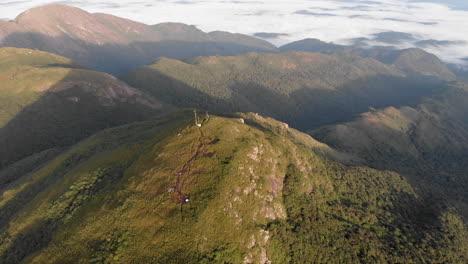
(197, 121)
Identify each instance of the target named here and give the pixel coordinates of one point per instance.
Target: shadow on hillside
(120, 59)
(35, 239)
(309, 108)
(325, 107)
(305, 109)
(58, 119)
(243, 97)
(77, 106)
(70, 110)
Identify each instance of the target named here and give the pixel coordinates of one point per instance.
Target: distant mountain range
(182, 159)
(307, 90)
(411, 61)
(116, 45)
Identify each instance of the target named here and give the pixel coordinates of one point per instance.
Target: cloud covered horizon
(437, 27)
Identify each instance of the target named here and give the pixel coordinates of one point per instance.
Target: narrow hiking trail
(188, 170)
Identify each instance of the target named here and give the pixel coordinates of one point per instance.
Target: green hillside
(412, 61)
(306, 90)
(428, 142)
(257, 193)
(225, 149)
(47, 101)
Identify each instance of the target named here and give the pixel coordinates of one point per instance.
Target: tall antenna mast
(196, 117)
(197, 123)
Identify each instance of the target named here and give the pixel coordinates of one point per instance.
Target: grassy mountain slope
(428, 142)
(306, 90)
(256, 196)
(116, 45)
(48, 101)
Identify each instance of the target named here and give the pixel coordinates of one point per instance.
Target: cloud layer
(338, 21)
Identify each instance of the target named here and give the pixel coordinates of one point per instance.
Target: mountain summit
(225, 192)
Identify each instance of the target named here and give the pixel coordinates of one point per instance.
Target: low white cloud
(330, 20)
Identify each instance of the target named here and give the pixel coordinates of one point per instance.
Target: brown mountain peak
(58, 20)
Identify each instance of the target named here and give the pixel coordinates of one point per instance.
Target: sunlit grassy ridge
(47, 101)
(255, 195)
(25, 75)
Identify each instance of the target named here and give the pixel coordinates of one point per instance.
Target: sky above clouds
(329, 20)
